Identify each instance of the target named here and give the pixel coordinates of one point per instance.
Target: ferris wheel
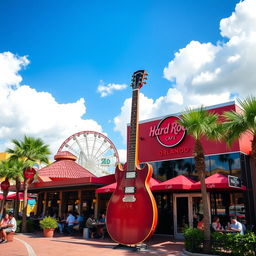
(94, 151)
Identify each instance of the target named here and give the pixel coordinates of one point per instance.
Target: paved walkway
(36, 245)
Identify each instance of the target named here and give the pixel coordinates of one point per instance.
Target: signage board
(234, 182)
(29, 173)
(168, 132)
(5, 185)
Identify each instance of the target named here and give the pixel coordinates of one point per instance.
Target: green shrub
(30, 226)
(234, 244)
(18, 229)
(193, 239)
(48, 222)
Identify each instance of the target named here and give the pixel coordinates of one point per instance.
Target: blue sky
(69, 48)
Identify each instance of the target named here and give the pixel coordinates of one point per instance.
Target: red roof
(216, 181)
(65, 167)
(112, 187)
(178, 182)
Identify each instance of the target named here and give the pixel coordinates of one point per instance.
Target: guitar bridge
(129, 199)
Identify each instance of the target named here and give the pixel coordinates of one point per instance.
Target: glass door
(182, 213)
(187, 210)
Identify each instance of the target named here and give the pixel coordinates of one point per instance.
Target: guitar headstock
(138, 79)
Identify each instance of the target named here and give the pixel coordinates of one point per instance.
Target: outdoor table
(99, 227)
(226, 231)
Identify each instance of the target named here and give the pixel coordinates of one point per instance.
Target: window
(227, 164)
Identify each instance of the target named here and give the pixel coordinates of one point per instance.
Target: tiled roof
(104, 180)
(65, 167)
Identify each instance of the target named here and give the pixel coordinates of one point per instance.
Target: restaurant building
(65, 185)
(165, 144)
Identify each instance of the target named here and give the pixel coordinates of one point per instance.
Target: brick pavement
(77, 246)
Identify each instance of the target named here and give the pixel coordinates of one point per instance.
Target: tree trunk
(17, 200)
(25, 204)
(200, 167)
(5, 193)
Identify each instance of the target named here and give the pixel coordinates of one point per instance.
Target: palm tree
(200, 124)
(31, 150)
(13, 170)
(238, 123)
(16, 173)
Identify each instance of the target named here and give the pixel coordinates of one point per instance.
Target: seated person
(90, 224)
(216, 224)
(236, 226)
(200, 224)
(70, 222)
(4, 221)
(3, 224)
(61, 223)
(102, 219)
(11, 226)
(102, 229)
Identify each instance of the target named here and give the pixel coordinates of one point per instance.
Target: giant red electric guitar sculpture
(132, 212)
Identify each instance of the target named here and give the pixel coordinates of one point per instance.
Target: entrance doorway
(187, 209)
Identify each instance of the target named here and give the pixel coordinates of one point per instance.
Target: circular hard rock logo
(169, 132)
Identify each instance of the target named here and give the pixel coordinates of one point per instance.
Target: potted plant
(48, 224)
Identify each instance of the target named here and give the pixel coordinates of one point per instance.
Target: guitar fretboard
(133, 140)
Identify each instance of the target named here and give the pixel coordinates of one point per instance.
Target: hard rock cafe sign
(168, 132)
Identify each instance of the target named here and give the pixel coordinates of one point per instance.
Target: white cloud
(206, 73)
(23, 110)
(108, 89)
(122, 155)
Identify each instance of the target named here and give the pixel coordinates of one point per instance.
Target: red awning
(112, 187)
(176, 183)
(216, 181)
(21, 196)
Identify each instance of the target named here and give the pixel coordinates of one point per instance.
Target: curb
(186, 253)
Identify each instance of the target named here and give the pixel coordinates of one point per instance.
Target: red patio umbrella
(216, 181)
(112, 187)
(180, 182)
(21, 196)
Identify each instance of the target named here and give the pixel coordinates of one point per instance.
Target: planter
(48, 232)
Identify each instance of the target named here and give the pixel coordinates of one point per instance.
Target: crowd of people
(234, 226)
(7, 225)
(72, 222)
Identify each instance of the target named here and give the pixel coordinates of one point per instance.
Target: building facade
(165, 144)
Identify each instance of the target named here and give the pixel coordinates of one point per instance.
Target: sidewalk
(36, 245)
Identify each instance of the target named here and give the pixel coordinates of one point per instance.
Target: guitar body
(132, 223)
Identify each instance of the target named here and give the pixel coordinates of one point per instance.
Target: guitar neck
(133, 139)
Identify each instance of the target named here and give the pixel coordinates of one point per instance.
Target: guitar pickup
(131, 175)
(129, 190)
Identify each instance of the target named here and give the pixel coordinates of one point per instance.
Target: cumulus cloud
(108, 89)
(206, 73)
(26, 111)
